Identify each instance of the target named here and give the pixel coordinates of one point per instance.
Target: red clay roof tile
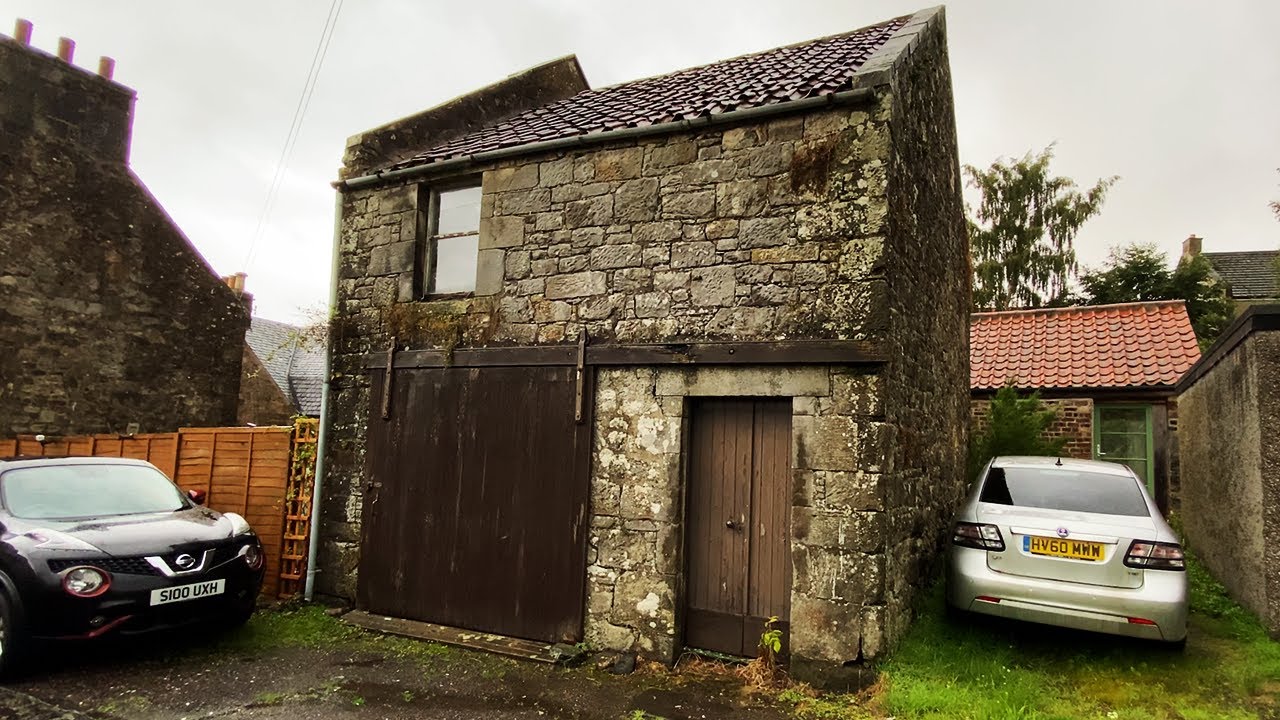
(1107, 346)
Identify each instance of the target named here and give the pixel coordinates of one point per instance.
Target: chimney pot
(22, 31)
(106, 67)
(66, 49)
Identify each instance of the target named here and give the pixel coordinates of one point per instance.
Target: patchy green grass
(993, 670)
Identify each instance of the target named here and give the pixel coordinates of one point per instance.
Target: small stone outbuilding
(648, 364)
(110, 320)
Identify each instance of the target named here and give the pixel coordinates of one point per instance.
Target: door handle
(731, 524)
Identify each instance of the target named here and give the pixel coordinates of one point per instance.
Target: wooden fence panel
(242, 470)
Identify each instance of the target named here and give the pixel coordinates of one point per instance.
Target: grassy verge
(993, 670)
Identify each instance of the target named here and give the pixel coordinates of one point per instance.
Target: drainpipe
(317, 487)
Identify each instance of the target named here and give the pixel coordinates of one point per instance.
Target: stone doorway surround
(635, 555)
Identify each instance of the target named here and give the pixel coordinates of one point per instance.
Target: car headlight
(85, 581)
(239, 526)
(252, 554)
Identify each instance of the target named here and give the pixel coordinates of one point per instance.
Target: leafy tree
(1022, 230)
(1140, 272)
(1016, 426)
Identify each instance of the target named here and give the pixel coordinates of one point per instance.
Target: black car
(97, 546)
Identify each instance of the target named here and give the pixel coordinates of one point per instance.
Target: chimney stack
(22, 31)
(66, 49)
(106, 67)
(1191, 246)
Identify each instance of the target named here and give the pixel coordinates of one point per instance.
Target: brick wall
(1074, 423)
(108, 315)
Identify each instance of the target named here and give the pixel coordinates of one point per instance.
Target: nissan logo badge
(186, 562)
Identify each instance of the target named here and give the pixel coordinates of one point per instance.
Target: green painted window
(1122, 434)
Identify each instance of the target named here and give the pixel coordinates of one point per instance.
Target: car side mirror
(197, 496)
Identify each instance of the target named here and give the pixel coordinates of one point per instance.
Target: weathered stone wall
(635, 556)
(1230, 468)
(261, 401)
(1074, 422)
(108, 315)
(757, 232)
(926, 382)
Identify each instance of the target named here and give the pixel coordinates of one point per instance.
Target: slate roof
(1129, 345)
(294, 362)
(1251, 275)
(809, 69)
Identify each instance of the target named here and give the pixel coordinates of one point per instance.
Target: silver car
(1074, 543)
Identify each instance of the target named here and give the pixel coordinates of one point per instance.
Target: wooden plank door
(475, 515)
(738, 523)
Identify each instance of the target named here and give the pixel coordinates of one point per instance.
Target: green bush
(1016, 426)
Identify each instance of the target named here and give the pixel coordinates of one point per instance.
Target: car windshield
(1064, 489)
(75, 491)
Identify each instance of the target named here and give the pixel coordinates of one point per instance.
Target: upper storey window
(453, 241)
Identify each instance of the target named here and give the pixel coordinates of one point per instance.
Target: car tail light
(1153, 555)
(85, 582)
(977, 535)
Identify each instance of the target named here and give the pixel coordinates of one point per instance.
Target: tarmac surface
(365, 676)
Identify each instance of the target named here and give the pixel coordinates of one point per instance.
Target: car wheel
(11, 640)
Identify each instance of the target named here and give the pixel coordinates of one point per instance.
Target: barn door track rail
(797, 352)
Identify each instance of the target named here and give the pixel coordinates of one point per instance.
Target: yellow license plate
(1057, 547)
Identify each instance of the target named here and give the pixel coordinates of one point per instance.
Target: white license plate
(182, 593)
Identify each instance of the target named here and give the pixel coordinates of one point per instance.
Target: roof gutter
(847, 97)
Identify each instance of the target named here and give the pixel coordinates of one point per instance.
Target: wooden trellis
(297, 506)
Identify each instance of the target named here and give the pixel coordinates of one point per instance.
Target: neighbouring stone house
(1229, 404)
(1109, 371)
(110, 320)
(282, 376)
(1252, 276)
(647, 364)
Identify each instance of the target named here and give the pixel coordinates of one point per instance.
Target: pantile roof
(294, 362)
(1251, 275)
(809, 69)
(1130, 345)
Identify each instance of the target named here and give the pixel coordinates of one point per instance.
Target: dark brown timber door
(739, 520)
(475, 513)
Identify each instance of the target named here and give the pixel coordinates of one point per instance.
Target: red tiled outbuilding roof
(809, 69)
(1130, 345)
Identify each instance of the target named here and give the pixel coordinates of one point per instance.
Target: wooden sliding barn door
(738, 523)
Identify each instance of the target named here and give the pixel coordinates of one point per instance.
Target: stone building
(1252, 277)
(1229, 431)
(647, 364)
(283, 374)
(109, 318)
(1109, 371)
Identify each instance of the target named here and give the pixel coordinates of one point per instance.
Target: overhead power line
(295, 127)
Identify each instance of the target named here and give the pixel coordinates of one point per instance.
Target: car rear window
(50, 492)
(1063, 489)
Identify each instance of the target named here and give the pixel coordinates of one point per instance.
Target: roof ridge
(1077, 308)
(754, 53)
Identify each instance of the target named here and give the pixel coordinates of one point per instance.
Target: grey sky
(1181, 99)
